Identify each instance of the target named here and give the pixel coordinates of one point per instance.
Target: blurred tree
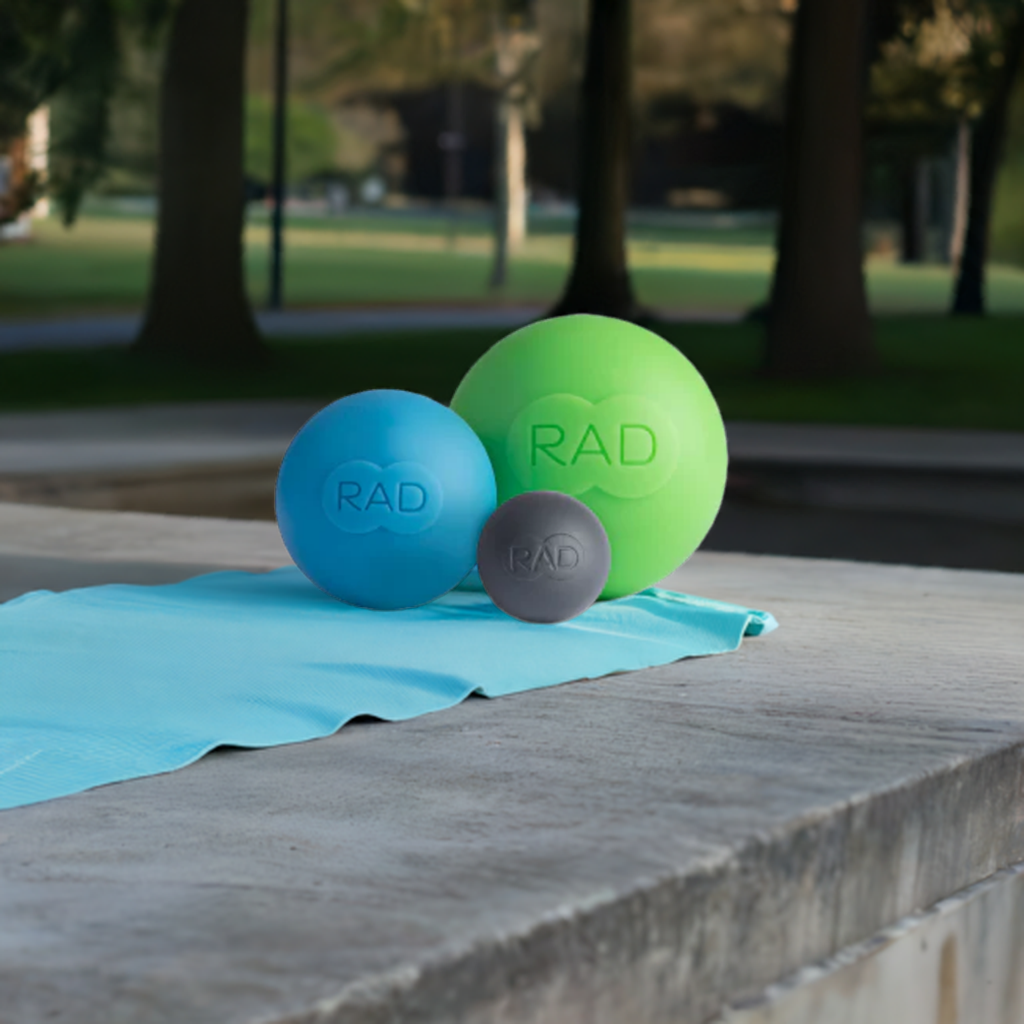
(936, 76)
(516, 43)
(66, 51)
(952, 64)
(71, 50)
(311, 139)
(19, 184)
(818, 324)
(1008, 206)
(961, 192)
(406, 44)
(998, 49)
(26, 79)
(340, 47)
(357, 48)
(713, 52)
(922, 94)
(708, 85)
(599, 279)
(81, 107)
(197, 307)
(130, 159)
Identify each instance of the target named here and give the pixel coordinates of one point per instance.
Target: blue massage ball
(381, 498)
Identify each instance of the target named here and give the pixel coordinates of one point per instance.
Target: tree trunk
(818, 324)
(279, 168)
(515, 176)
(599, 280)
(197, 307)
(38, 153)
(515, 47)
(453, 142)
(509, 186)
(916, 210)
(987, 142)
(961, 192)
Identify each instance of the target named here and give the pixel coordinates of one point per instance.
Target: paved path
(648, 847)
(98, 331)
(94, 332)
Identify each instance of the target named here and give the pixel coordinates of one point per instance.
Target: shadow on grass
(936, 371)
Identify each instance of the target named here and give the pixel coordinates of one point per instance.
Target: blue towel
(116, 682)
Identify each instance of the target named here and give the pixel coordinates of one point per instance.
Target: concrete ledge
(221, 458)
(907, 448)
(206, 458)
(652, 846)
(148, 437)
(234, 490)
(958, 961)
(975, 475)
(138, 537)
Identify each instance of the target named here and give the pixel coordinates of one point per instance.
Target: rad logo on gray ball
(360, 497)
(555, 558)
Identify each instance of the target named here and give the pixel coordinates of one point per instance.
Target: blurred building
(23, 170)
(684, 156)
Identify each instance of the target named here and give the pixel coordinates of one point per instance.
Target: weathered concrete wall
(242, 490)
(961, 962)
(213, 458)
(645, 847)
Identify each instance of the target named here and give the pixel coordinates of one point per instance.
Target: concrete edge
(855, 955)
(95, 535)
(677, 947)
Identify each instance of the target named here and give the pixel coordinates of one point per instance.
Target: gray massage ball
(543, 556)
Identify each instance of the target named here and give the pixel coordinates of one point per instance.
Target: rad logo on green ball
(555, 558)
(625, 445)
(360, 497)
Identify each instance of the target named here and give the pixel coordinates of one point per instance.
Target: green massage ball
(615, 416)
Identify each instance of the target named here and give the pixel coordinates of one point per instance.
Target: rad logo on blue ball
(555, 558)
(360, 497)
(626, 445)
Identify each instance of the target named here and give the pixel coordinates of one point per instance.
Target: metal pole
(279, 147)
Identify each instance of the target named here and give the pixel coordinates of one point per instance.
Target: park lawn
(102, 265)
(935, 372)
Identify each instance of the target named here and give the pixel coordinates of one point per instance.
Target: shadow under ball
(543, 557)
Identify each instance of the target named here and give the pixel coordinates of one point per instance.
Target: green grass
(102, 265)
(935, 372)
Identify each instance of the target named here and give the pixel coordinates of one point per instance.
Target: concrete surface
(953, 498)
(648, 847)
(960, 961)
(172, 434)
(877, 447)
(968, 474)
(893, 535)
(38, 541)
(217, 458)
(927, 497)
(148, 437)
